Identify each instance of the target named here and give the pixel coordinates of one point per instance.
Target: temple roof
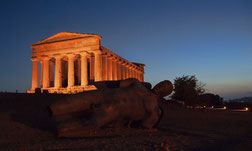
(63, 36)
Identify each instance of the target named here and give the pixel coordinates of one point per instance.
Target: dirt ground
(25, 124)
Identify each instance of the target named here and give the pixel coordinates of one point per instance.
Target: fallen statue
(130, 103)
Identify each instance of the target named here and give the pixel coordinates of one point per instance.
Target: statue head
(163, 88)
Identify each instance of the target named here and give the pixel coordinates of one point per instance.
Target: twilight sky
(211, 39)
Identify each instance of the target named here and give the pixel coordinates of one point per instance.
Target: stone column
(130, 71)
(51, 73)
(114, 69)
(78, 71)
(84, 69)
(46, 76)
(70, 70)
(110, 66)
(134, 72)
(35, 83)
(138, 75)
(127, 71)
(91, 68)
(41, 73)
(58, 72)
(123, 71)
(104, 67)
(119, 73)
(98, 65)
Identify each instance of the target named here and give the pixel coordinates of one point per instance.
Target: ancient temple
(71, 62)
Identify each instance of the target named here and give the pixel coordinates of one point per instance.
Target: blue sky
(209, 39)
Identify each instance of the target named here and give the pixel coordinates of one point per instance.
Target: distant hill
(242, 100)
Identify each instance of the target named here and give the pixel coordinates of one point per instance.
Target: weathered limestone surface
(130, 102)
(71, 62)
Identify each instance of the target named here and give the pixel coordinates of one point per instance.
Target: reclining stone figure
(131, 101)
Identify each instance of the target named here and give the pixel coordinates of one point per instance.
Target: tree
(209, 99)
(187, 89)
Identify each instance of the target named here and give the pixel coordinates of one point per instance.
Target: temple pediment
(64, 36)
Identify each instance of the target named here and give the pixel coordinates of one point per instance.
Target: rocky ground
(25, 124)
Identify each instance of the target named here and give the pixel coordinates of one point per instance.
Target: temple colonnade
(90, 67)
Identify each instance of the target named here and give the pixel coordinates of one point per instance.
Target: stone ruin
(116, 103)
